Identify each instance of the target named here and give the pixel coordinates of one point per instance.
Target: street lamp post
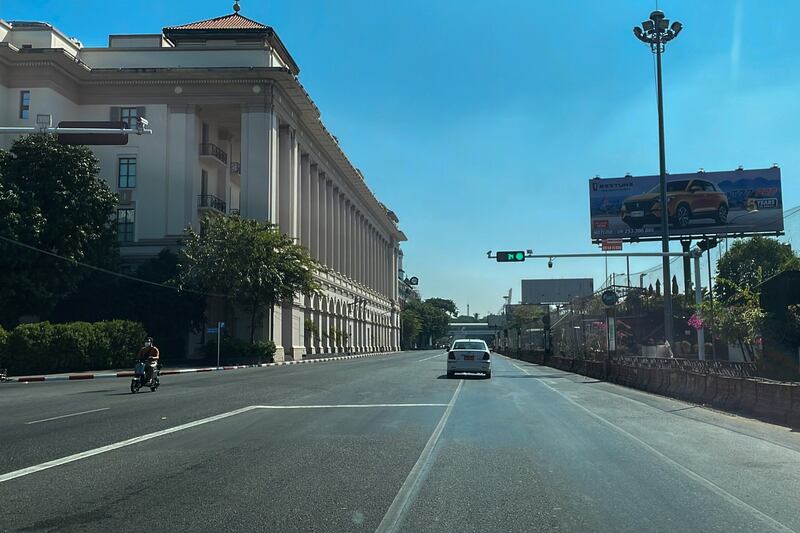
(657, 32)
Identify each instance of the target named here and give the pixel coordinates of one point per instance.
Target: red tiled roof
(228, 22)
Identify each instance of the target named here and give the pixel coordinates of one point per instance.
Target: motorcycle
(140, 376)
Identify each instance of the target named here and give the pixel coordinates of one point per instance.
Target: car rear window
(469, 346)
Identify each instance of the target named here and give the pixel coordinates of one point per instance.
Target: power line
(105, 270)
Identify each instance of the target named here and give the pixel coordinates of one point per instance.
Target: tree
(751, 261)
(52, 199)
(411, 326)
(166, 313)
(738, 320)
(447, 306)
(250, 262)
(433, 320)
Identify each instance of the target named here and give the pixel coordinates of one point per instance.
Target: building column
(314, 211)
(317, 318)
(305, 201)
(322, 232)
(329, 225)
(259, 172)
(289, 223)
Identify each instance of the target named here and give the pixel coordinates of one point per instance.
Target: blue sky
(480, 123)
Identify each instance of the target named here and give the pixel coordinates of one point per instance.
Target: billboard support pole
(698, 298)
(687, 272)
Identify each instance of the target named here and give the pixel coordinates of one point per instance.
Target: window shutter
(115, 114)
(141, 112)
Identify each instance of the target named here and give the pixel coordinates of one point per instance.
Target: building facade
(234, 132)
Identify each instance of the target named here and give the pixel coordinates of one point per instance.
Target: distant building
(234, 133)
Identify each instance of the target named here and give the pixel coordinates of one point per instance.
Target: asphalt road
(386, 444)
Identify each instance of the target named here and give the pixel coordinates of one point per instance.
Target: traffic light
(515, 256)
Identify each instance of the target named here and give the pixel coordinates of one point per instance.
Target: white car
(469, 355)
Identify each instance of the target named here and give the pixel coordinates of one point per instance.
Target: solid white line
(347, 406)
(67, 416)
(431, 357)
(408, 492)
(103, 449)
(713, 487)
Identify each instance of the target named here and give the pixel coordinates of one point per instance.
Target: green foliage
(44, 347)
(411, 326)
(249, 261)
(448, 306)
(166, 313)
(311, 329)
(750, 261)
(738, 320)
(52, 199)
(238, 351)
(523, 316)
(433, 320)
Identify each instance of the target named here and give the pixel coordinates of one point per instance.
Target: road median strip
(128, 373)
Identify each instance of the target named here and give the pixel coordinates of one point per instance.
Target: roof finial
(236, 6)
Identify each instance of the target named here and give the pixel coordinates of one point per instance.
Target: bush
(76, 346)
(238, 351)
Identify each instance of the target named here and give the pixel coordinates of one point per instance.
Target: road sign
(609, 297)
(213, 330)
(611, 245)
(90, 139)
(514, 256)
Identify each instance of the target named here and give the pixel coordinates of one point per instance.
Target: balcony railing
(214, 151)
(212, 202)
(236, 167)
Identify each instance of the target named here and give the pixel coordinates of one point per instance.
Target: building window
(125, 223)
(128, 115)
(24, 104)
(127, 172)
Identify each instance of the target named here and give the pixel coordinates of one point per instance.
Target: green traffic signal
(514, 256)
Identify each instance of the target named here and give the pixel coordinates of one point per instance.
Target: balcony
(215, 153)
(236, 167)
(211, 202)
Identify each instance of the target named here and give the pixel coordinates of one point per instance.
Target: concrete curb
(129, 373)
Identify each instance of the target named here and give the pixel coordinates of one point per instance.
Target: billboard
(737, 202)
(555, 291)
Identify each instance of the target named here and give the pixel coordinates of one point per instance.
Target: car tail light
(451, 355)
(486, 356)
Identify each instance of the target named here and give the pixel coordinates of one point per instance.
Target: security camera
(141, 124)
(550, 264)
(489, 253)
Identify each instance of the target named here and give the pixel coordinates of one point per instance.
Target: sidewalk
(107, 374)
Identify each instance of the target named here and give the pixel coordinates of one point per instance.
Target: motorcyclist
(150, 353)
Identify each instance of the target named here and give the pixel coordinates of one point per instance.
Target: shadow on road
(464, 376)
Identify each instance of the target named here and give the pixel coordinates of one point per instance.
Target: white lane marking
(408, 492)
(713, 487)
(350, 406)
(103, 449)
(431, 357)
(67, 416)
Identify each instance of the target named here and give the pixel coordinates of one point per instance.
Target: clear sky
(480, 123)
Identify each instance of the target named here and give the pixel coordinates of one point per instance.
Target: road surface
(386, 444)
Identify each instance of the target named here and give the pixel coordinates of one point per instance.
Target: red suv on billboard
(686, 200)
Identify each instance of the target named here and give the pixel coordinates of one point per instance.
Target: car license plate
(637, 214)
(469, 358)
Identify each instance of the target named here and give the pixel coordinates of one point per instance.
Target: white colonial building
(234, 132)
